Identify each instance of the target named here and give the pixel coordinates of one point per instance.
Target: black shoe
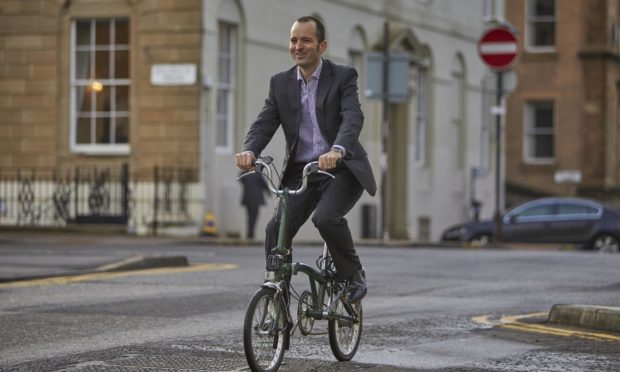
(357, 287)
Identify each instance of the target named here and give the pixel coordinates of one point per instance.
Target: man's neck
(307, 72)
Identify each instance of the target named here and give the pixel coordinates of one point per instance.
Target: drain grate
(213, 362)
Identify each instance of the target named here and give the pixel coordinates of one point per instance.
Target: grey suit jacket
(338, 112)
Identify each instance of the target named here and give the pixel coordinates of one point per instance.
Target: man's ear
(323, 46)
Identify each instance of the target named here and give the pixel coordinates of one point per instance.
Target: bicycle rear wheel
(345, 330)
(265, 331)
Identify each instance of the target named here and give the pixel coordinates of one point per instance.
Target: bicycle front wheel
(265, 331)
(345, 330)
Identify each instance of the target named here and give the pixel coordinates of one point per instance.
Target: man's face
(304, 45)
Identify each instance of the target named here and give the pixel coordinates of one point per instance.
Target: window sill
(101, 150)
(538, 163)
(542, 55)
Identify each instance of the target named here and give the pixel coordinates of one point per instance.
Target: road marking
(69, 279)
(514, 323)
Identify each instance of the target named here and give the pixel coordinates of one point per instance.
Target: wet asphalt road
(418, 314)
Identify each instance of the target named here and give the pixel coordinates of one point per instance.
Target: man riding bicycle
(316, 103)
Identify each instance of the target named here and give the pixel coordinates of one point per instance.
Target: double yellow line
(69, 279)
(515, 323)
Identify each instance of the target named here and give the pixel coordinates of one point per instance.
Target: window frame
(529, 132)
(459, 110)
(94, 148)
(531, 21)
(421, 116)
(229, 88)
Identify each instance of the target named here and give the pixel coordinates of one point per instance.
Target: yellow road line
(514, 323)
(60, 280)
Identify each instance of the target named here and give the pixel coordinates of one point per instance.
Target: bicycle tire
(345, 335)
(264, 341)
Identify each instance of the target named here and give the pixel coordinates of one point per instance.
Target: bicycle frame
(278, 269)
(321, 285)
(268, 324)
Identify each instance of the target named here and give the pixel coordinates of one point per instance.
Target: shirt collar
(316, 74)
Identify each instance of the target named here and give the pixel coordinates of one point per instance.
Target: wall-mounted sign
(567, 176)
(398, 76)
(173, 74)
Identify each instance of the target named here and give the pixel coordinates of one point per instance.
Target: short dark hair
(320, 29)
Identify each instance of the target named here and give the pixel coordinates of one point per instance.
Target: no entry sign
(498, 48)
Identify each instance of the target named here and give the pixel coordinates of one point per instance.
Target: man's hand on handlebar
(329, 160)
(245, 161)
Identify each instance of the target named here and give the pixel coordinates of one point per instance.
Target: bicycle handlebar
(263, 164)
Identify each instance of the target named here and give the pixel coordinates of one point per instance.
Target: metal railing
(92, 195)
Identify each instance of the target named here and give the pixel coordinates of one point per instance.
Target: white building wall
(447, 27)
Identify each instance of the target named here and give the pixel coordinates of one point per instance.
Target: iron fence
(92, 195)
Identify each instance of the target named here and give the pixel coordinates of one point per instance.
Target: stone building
(563, 117)
(156, 84)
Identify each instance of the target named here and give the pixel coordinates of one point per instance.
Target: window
(539, 137)
(421, 116)
(539, 210)
(540, 24)
(356, 60)
(226, 81)
(100, 86)
(573, 210)
(486, 124)
(534, 213)
(457, 106)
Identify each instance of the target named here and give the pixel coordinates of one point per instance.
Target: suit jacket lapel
(294, 98)
(325, 83)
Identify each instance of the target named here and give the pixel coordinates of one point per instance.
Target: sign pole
(497, 235)
(498, 48)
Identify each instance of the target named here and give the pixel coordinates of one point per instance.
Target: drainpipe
(205, 87)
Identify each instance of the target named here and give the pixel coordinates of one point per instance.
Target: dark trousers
(330, 200)
(252, 210)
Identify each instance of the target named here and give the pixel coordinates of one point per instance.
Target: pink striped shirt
(310, 142)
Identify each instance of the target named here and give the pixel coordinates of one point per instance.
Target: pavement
(29, 255)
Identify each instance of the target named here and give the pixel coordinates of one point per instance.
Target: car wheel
(606, 243)
(480, 240)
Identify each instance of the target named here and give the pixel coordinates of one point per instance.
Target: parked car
(585, 222)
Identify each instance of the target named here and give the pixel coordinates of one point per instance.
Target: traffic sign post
(498, 48)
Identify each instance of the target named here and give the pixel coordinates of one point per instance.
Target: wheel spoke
(345, 332)
(264, 334)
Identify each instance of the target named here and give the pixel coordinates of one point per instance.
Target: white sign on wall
(398, 76)
(567, 176)
(173, 74)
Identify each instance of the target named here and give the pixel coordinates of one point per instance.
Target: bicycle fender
(275, 286)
